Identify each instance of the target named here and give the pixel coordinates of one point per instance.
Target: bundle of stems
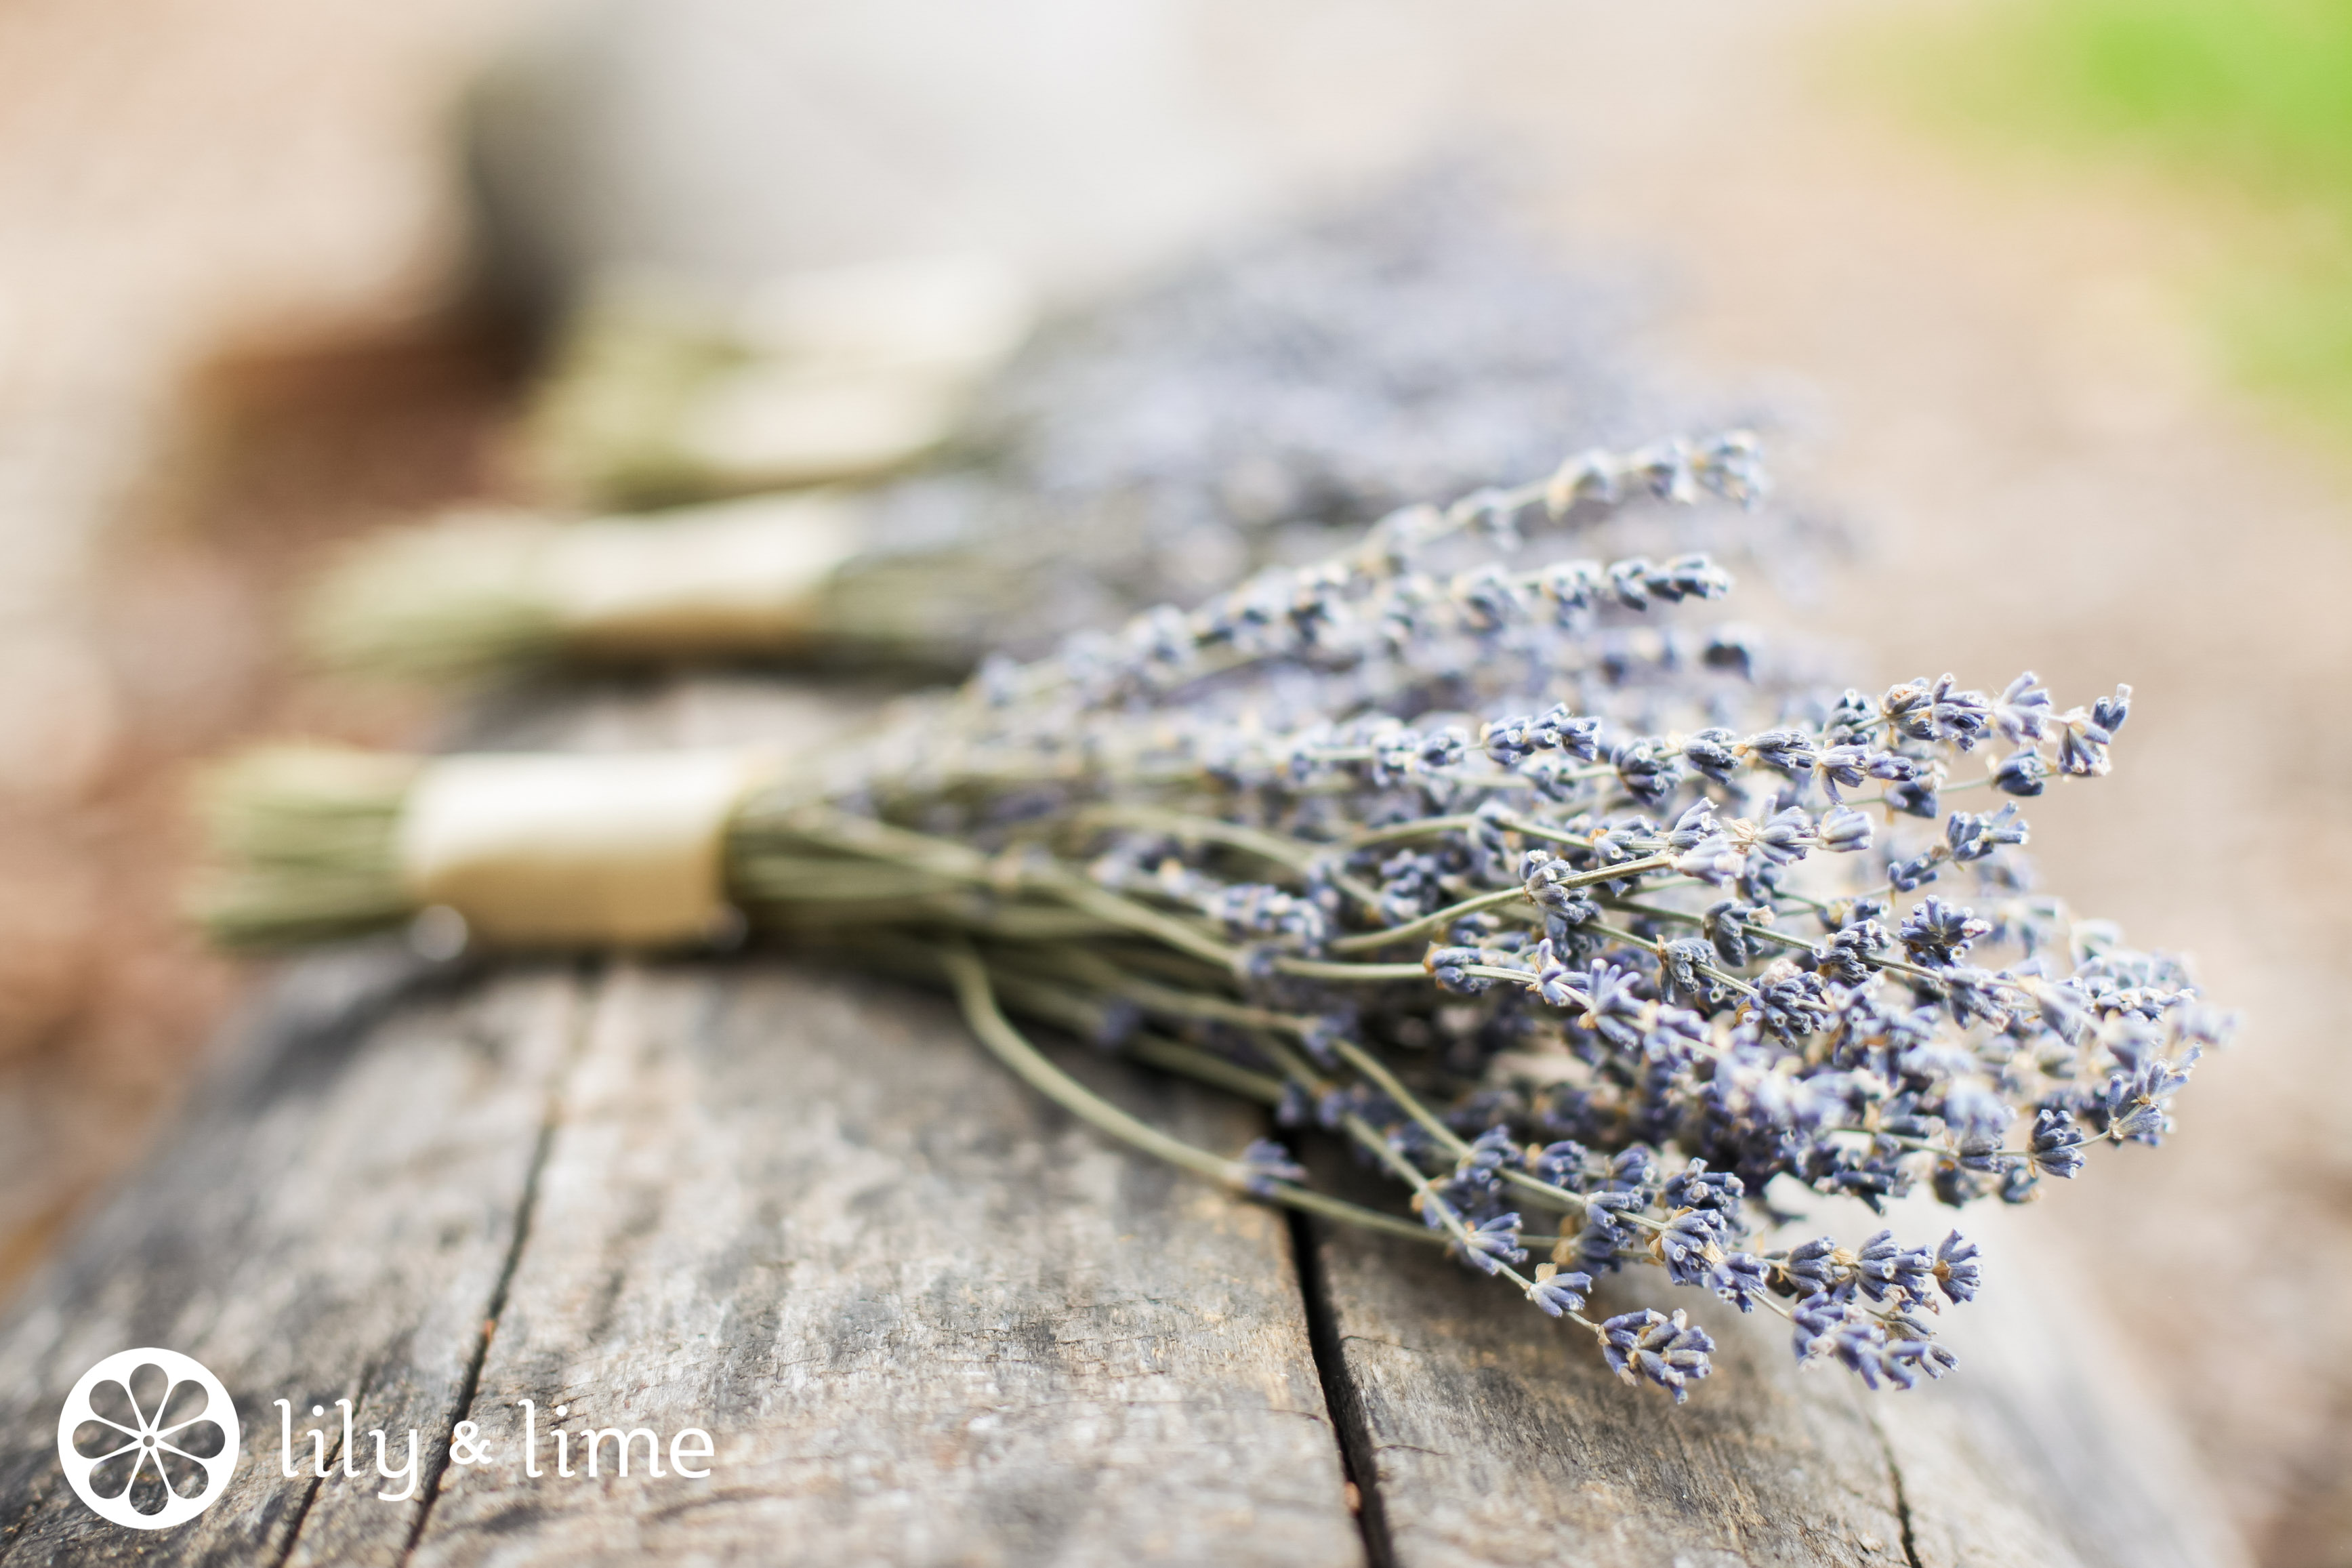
(664, 392)
(1602, 934)
(806, 577)
(793, 578)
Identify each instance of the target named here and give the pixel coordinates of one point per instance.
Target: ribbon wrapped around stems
(576, 850)
(483, 589)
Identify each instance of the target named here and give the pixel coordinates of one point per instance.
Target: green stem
(1388, 1083)
(1364, 941)
(1369, 973)
(968, 975)
(1363, 1134)
(1138, 918)
(1187, 1061)
(978, 998)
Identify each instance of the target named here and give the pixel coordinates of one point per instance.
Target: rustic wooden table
(928, 1318)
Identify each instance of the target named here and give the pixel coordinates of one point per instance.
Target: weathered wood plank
(2046, 1435)
(927, 1317)
(929, 1320)
(328, 1222)
(1490, 1435)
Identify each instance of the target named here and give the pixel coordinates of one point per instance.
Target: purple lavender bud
(1915, 798)
(1937, 932)
(1688, 576)
(2057, 1143)
(1693, 827)
(1883, 1268)
(1789, 751)
(1581, 738)
(1973, 838)
(1492, 1244)
(1573, 588)
(1667, 1351)
(1683, 960)
(2022, 708)
(1725, 924)
(1443, 747)
(1269, 1162)
(1813, 1266)
(1841, 959)
(2136, 1105)
(1449, 966)
(1957, 1269)
(1697, 1187)
(1647, 767)
(1909, 875)
(1717, 861)
(1816, 1318)
(1559, 1293)
(1960, 718)
(2108, 713)
(1910, 707)
(1509, 741)
(2024, 772)
(1850, 719)
(1843, 830)
(1785, 836)
(1561, 1164)
(1903, 1360)
(1629, 580)
(1791, 1002)
(1739, 1278)
(1710, 753)
(1687, 1246)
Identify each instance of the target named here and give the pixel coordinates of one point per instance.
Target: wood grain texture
(1495, 1436)
(2048, 1433)
(928, 1318)
(327, 1223)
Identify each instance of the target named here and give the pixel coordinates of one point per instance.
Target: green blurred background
(2246, 105)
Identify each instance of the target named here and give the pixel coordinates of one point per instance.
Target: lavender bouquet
(1587, 924)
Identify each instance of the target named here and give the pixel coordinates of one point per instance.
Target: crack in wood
(524, 1209)
(1901, 1502)
(1348, 1425)
(333, 1456)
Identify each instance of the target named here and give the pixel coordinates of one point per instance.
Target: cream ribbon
(854, 369)
(569, 851)
(737, 576)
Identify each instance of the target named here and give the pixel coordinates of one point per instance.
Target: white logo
(148, 1438)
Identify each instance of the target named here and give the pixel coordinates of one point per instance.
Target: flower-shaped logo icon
(148, 1438)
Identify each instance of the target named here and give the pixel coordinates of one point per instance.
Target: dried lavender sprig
(1482, 1246)
(1280, 611)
